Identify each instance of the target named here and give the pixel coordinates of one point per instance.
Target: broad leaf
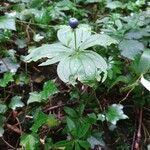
(6, 64)
(7, 23)
(34, 97)
(41, 119)
(98, 39)
(66, 35)
(71, 112)
(16, 102)
(130, 48)
(30, 141)
(115, 113)
(145, 83)
(84, 144)
(49, 89)
(47, 51)
(144, 63)
(3, 108)
(114, 4)
(85, 67)
(8, 77)
(70, 124)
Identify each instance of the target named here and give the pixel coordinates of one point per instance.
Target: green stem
(75, 39)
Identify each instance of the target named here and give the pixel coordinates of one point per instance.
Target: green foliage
(16, 103)
(8, 77)
(104, 64)
(113, 114)
(7, 23)
(41, 119)
(49, 89)
(73, 60)
(30, 141)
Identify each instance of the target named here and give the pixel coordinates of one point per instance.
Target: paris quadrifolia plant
(73, 51)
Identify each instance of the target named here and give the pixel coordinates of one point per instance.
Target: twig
(127, 95)
(14, 128)
(136, 142)
(8, 143)
(59, 106)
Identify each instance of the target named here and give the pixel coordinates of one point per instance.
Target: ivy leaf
(7, 23)
(144, 63)
(30, 141)
(34, 97)
(16, 102)
(3, 108)
(130, 48)
(8, 77)
(145, 83)
(115, 113)
(11, 65)
(49, 89)
(98, 39)
(41, 119)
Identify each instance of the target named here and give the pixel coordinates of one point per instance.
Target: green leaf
(84, 144)
(7, 64)
(16, 102)
(34, 97)
(85, 66)
(63, 144)
(144, 63)
(76, 146)
(52, 121)
(98, 39)
(130, 48)
(115, 113)
(30, 141)
(114, 4)
(72, 113)
(83, 129)
(48, 51)
(8, 77)
(70, 123)
(7, 23)
(39, 120)
(145, 83)
(49, 89)
(3, 108)
(66, 35)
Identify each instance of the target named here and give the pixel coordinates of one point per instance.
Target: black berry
(73, 22)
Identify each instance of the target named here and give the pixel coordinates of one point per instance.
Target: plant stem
(75, 39)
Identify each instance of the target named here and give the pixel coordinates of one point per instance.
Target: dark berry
(73, 22)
